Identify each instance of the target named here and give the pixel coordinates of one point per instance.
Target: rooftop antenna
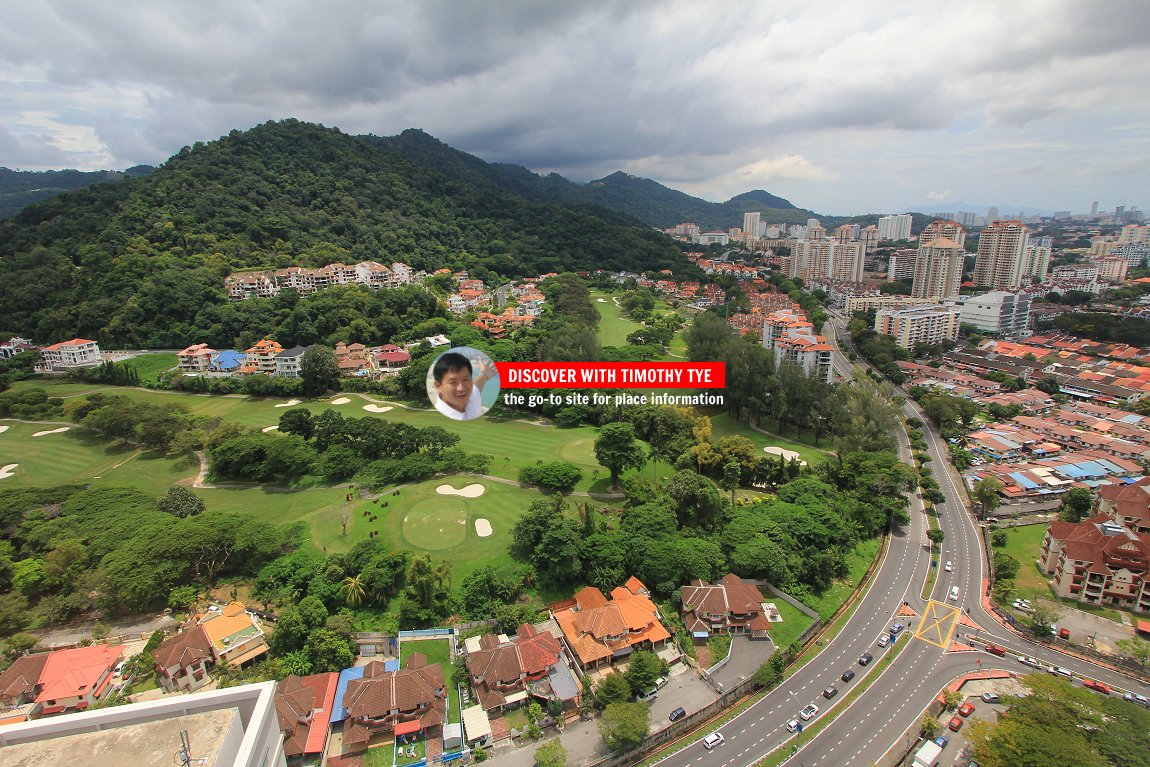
(183, 757)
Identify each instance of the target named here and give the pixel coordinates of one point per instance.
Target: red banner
(612, 375)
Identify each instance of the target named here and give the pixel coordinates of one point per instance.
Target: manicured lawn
(1025, 545)
(794, 623)
(722, 425)
(613, 326)
(149, 366)
(78, 456)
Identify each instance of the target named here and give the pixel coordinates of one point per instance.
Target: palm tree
(353, 591)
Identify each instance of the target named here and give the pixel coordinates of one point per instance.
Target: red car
(956, 723)
(966, 710)
(994, 649)
(1096, 686)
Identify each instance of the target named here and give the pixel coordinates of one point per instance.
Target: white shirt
(474, 407)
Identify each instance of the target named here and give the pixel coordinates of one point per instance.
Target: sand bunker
(601, 300)
(376, 409)
(269, 428)
(6, 471)
(341, 400)
(3, 429)
(52, 431)
(289, 403)
(787, 454)
(471, 491)
(482, 528)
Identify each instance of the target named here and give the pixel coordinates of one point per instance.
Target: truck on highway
(927, 756)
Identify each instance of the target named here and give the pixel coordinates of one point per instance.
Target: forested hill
(19, 188)
(142, 261)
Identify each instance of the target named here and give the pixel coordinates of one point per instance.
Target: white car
(948, 567)
(1029, 661)
(793, 725)
(1060, 671)
(714, 739)
(809, 711)
(883, 641)
(1023, 605)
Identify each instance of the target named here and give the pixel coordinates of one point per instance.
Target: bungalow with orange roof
(303, 707)
(352, 358)
(70, 355)
(261, 358)
(235, 636)
(599, 631)
(61, 680)
(182, 660)
(385, 704)
(197, 358)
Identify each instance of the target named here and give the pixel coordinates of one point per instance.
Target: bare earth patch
(289, 403)
(341, 400)
(7, 471)
(471, 491)
(482, 528)
(376, 408)
(51, 431)
(787, 454)
(269, 428)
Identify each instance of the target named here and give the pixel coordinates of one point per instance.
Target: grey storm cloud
(712, 98)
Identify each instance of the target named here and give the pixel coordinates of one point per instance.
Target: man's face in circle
(455, 388)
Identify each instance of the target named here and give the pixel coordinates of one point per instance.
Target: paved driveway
(746, 657)
(131, 628)
(684, 688)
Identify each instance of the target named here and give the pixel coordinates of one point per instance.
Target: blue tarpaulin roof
(1020, 479)
(1073, 471)
(338, 711)
(1112, 468)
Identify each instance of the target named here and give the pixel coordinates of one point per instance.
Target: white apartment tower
(1035, 262)
(751, 224)
(812, 259)
(1001, 248)
(930, 324)
(940, 229)
(895, 227)
(937, 269)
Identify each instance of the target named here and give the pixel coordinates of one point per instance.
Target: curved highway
(875, 723)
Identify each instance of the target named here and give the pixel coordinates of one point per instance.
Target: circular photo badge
(463, 383)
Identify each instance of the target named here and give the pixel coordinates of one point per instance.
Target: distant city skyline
(842, 107)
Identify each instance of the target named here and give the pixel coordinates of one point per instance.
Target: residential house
(598, 631)
(70, 355)
(387, 704)
(390, 359)
(61, 680)
(182, 660)
(236, 637)
(14, 346)
(730, 606)
(261, 358)
(227, 361)
(352, 358)
(197, 358)
(1128, 505)
(288, 361)
(505, 671)
(1099, 562)
(303, 707)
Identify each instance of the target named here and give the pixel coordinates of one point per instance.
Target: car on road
(809, 712)
(897, 628)
(954, 593)
(118, 671)
(1133, 697)
(1060, 671)
(848, 675)
(941, 740)
(793, 725)
(948, 567)
(830, 692)
(865, 658)
(648, 696)
(966, 709)
(883, 641)
(1026, 660)
(990, 697)
(994, 649)
(956, 723)
(677, 714)
(714, 739)
(1096, 686)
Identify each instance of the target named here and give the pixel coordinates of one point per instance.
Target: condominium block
(1001, 246)
(895, 227)
(1003, 312)
(1035, 262)
(930, 324)
(940, 229)
(938, 269)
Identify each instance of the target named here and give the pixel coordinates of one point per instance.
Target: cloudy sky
(843, 107)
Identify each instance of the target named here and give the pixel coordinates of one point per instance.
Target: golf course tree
(319, 370)
(426, 599)
(617, 450)
(179, 501)
(550, 539)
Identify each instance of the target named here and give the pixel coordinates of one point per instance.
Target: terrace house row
(268, 284)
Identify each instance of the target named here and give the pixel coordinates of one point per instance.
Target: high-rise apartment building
(1134, 233)
(869, 238)
(940, 229)
(751, 223)
(816, 231)
(930, 324)
(846, 233)
(901, 264)
(1094, 209)
(1001, 247)
(812, 259)
(938, 269)
(895, 227)
(1035, 262)
(999, 311)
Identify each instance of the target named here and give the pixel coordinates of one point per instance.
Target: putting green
(436, 524)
